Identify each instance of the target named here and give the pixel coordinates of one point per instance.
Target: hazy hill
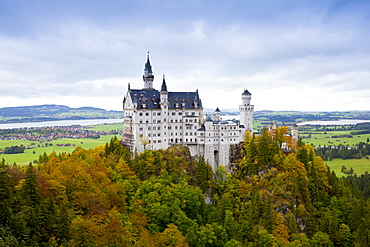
(53, 112)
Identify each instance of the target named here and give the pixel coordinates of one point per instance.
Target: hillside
(39, 113)
(105, 197)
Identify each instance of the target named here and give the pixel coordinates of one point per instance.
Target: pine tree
(5, 195)
(30, 192)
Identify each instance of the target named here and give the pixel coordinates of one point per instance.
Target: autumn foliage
(104, 197)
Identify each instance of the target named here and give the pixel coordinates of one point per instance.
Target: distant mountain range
(39, 113)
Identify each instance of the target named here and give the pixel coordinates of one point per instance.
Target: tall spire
(148, 76)
(164, 86)
(148, 67)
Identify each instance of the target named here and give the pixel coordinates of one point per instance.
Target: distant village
(42, 134)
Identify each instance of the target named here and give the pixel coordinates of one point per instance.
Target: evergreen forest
(106, 197)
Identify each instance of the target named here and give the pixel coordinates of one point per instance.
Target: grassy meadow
(360, 166)
(326, 139)
(30, 155)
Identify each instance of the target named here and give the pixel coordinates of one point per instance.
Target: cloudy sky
(290, 54)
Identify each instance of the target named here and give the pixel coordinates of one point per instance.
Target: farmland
(65, 145)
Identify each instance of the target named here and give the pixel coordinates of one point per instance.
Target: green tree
(6, 194)
(203, 174)
(321, 239)
(30, 194)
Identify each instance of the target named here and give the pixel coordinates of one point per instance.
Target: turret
(217, 114)
(148, 76)
(294, 133)
(164, 92)
(246, 111)
(246, 97)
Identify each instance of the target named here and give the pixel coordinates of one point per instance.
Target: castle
(158, 119)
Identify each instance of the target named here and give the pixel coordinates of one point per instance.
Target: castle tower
(294, 133)
(246, 111)
(148, 76)
(217, 115)
(164, 93)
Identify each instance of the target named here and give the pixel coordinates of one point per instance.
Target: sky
(290, 54)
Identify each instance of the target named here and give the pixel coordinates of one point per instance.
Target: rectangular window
(147, 114)
(159, 114)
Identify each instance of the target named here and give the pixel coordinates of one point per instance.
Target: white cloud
(290, 57)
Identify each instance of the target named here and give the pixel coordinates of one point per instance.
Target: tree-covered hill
(104, 197)
(53, 112)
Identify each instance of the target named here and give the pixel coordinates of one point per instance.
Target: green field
(30, 155)
(319, 138)
(360, 166)
(108, 127)
(324, 139)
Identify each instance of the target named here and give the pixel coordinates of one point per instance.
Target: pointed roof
(176, 100)
(217, 110)
(164, 86)
(148, 67)
(246, 92)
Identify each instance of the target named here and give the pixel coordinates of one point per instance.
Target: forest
(14, 149)
(106, 197)
(357, 151)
